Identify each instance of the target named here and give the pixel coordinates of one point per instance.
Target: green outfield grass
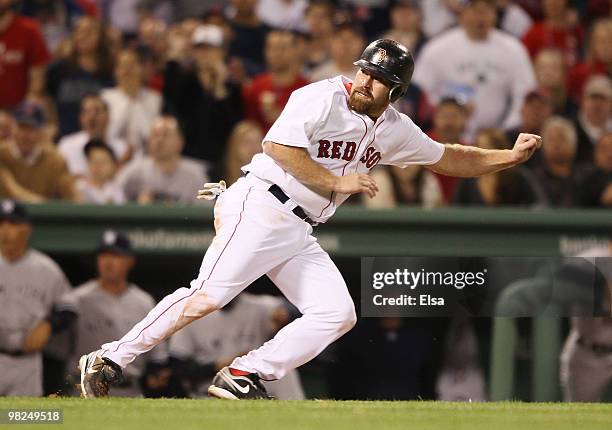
(169, 414)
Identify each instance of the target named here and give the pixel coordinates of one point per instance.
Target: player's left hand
(524, 147)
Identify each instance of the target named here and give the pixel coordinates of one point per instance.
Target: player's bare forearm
(298, 163)
(469, 161)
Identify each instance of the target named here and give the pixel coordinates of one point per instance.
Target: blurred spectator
(551, 74)
(181, 9)
(207, 345)
(153, 46)
(512, 18)
(405, 17)
(472, 63)
(244, 142)
(109, 305)
(30, 170)
(412, 185)
(346, 46)
(415, 184)
(594, 117)
(440, 15)
(265, 97)
(285, 14)
(558, 173)
(32, 286)
(163, 175)
(596, 9)
(7, 126)
(94, 119)
(205, 103)
(449, 122)
(122, 15)
(371, 15)
(132, 106)
(88, 69)
(515, 186)
(598, 58)
(416, 105)
(596, 189)
(556, 30)
(99, 186)
(461, 378)
(249, 36)
(23, 57)
(537, 108)
(56, 17)
(320, 21)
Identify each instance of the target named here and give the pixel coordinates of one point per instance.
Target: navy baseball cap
(114, 242)
(13, 211)
(30, 113)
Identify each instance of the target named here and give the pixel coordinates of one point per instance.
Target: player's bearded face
(368, 95)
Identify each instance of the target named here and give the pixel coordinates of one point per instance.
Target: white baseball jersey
(317, 117)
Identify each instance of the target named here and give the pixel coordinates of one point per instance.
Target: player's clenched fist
(356, 183)
(525, 146)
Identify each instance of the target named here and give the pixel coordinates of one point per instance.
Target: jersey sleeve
(301, 117)
(413, 146)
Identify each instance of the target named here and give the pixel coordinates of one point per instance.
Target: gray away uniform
(102, 317)
(29, 288)
(586, 359)
(229, 333)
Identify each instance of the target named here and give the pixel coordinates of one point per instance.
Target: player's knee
(200, 304)
(347, 317)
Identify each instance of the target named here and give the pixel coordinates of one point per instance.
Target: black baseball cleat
(97, 373)
(234, 387)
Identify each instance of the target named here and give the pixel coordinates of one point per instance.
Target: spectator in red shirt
(265, 97)
(23, 56)
(598, 60)
(551, 74)
(556, 31)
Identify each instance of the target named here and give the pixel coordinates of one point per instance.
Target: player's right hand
(356, 183)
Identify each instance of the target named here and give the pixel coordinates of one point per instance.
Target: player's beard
(365, 104)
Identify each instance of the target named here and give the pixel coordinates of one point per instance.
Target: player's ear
(397, 92)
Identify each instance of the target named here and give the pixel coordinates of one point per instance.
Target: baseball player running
(318, 152)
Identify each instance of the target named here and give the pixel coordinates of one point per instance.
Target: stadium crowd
(143, 101)
(108, 102)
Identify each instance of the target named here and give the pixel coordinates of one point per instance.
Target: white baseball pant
(255, 235)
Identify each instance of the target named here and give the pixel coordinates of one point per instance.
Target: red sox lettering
(339, 149)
